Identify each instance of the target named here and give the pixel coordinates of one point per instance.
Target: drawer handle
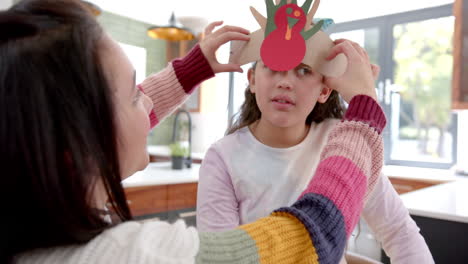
(188, 214)
(402, 187)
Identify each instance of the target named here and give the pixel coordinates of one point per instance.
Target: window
(137, 56)
(422, 80)
(414, 51)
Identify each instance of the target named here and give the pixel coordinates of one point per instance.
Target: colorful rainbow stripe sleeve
(316, 227)
(170, 87)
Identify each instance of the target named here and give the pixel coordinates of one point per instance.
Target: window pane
(137, 56)
(368, 38)
(240, 83)
(421, 116)
(370, 8)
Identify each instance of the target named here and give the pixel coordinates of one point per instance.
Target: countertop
(419, 174)
(161, 173)
(446, 201)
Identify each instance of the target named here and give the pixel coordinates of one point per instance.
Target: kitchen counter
(419, 174)
(441, 213)
(164, 151)
(446, 201)
(161, 192)
(161, 173)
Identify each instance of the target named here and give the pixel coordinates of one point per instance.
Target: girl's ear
(251, 77)
(324, 94)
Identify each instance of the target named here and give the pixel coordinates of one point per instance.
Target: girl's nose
(284, 85)
(286, 81)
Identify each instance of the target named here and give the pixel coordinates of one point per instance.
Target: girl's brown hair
(249, 111)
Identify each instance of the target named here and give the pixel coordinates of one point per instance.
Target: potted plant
(178, 154)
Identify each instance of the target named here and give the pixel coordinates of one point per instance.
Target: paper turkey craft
(287, 38)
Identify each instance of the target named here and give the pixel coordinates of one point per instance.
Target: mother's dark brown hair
(57, 128)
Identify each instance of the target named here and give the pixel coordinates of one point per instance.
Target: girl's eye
(304, 71)
(267, 68)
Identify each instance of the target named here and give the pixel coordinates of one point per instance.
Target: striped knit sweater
(313, 230)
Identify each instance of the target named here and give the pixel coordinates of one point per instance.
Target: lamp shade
(174, 31)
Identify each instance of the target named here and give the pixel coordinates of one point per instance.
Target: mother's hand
(360, 74)
(213, 40)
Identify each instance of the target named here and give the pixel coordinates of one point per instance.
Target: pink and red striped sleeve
(171, 87)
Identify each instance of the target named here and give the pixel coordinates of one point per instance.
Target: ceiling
(237, 12)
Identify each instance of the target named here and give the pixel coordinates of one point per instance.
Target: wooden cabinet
(181, 196)
(177, 49)
(460, 56)
(150, 200)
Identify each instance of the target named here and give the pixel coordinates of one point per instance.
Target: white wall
(4, 4)
(210, 124)
(237, 11)
(207, 128)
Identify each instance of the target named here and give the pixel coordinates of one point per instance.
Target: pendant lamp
(174, 31)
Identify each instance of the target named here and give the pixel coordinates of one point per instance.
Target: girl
(272, 151)
(73, 124)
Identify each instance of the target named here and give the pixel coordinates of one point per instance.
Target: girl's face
(285, 99)
(132, 109)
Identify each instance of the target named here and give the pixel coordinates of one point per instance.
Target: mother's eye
(137, 96)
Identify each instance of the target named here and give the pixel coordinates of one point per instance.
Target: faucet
(188, 160)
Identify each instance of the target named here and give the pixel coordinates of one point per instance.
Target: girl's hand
(360, 74)
(213, 40)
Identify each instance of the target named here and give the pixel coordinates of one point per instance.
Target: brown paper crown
(317, 42)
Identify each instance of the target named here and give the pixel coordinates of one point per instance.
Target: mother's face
(132, 108)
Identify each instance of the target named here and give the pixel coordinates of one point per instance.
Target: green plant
(177, 150)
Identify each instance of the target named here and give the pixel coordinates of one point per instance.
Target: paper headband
(287, 38)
